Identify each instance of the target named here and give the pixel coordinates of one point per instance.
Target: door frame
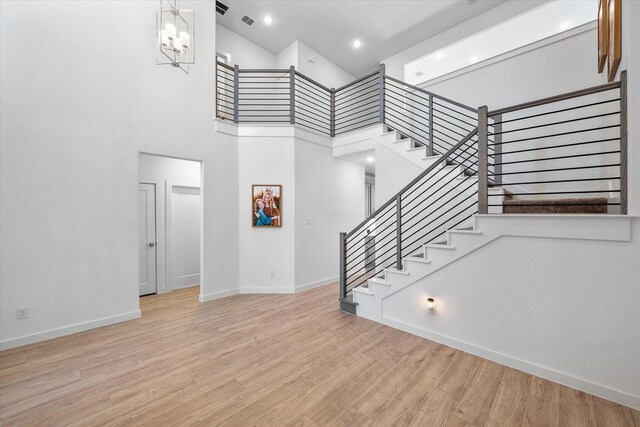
(169, 229)
(161, 268)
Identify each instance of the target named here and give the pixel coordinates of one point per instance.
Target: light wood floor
(274, 360)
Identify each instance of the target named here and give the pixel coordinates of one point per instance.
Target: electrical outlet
(22, 313)
(272, 274)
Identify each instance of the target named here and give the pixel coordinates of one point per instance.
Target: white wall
(329, 200)
(576, 317)
(263, 250)
(244, 52)
(178, 171)
(72, 123)
(186, 207)
(321, 69)
(315, 186)
(178, 219)
(288, 56)
(393, 173)
(395, 64)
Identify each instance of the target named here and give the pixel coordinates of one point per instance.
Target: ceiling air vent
(221, 8)
(248, 20)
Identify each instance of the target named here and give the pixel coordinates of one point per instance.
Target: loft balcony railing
(288, 96)
(567, 151)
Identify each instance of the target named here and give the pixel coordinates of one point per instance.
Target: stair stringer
(486, 229)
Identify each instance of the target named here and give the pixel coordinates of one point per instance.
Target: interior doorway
(147, 238)
(170, 224)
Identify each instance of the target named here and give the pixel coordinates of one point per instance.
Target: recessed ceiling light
(267, 19)
(473, 59)
(564, 25)
(439, 55)
(356, 43)
(370, 159)
(419, 73)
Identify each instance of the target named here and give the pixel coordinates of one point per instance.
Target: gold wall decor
(615, 37)
(603, 34)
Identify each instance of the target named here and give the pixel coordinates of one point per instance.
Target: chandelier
(176, 36)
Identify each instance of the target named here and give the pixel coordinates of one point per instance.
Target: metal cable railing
(225, 92)
(564, 154)
(444, 196)
(430, 120)
(357, 104)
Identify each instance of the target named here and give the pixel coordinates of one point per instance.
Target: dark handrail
(450, 101)
(556, 98)
(264, 70)
(310, 80)
(225, 65)
(358, 80)
(414, 181)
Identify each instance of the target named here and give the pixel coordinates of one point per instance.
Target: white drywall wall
(395, 64)
(72, 124)
(393, 172)
(186, 208)
(329, 200)
(266, 251)
(288, 56)
(316, 188)
(313, 65)
(321, 69)
(244, 52)
(574, 316)
(178, 171)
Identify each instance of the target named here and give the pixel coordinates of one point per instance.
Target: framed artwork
(266, 202)
(614, 53)
(603, 34)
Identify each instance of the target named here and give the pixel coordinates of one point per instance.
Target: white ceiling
(385, 27)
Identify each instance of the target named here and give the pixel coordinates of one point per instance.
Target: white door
(147, 237)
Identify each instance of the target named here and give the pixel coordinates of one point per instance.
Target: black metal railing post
(430, 147)
(623, 142)
(292, 94)
(236, 92)
(343, 265)
(398, 233)
(381, 92)
(483, 136)
(332, 113)
(497, 149)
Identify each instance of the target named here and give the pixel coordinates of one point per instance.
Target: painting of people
(267, 206)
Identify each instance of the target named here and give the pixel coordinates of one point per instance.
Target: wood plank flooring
(277, 360)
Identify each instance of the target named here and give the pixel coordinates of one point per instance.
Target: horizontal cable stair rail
(561, 154)
(444, 195)
(430, 120)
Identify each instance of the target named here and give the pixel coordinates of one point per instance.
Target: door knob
(151, 244)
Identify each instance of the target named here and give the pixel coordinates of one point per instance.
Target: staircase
(559, 155)
(566, 154)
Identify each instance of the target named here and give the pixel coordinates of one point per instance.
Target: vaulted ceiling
(385, 26)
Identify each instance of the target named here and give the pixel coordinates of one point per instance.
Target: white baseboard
(217, 295)
(68, 330)
(261, 290)
(186, 281)
(521, 365)
(323, 282)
